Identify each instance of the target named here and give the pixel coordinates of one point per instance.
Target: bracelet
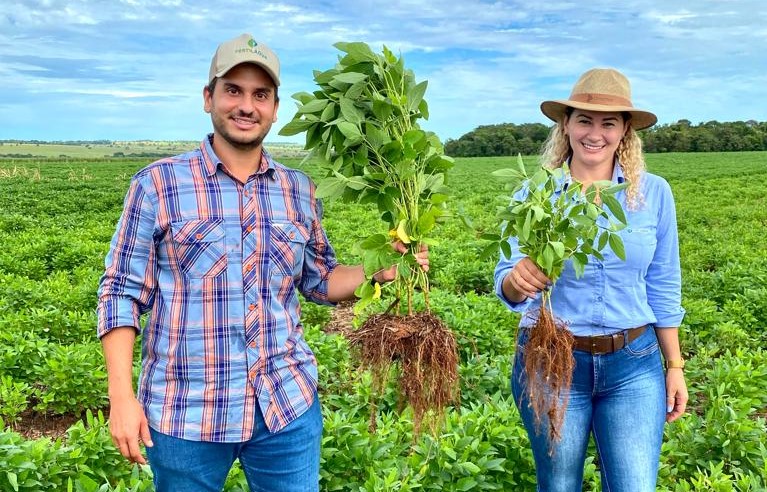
(675, 364)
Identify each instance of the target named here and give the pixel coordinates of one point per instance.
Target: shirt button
(599, 298)
(251, 307)
(600, 266)
(248, 267)
(252, 374)
(252, 344)
(199, 235)
(249, 228)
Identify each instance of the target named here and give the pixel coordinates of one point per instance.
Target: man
(215, 245)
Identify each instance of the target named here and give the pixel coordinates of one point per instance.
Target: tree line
(526, 139)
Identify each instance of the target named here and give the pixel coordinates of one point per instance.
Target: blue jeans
(617, 397)
(286, 461)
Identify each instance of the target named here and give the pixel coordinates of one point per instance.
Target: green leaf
(315, 106)
(350, 77)
(329, 112)
(526, 227)
(350, 130)
(324, 78)
(355, 91)
(427, 221)
(359, 51)
(303, 97)
(382, 109)
(579, 264)
(602, 241)
(506, 249)
(330, 188)
(539, 178)
(376, 138)
(415, 95)
(12, 479)
(548, 258)
(616, 244)
(295, 127)
(592, 211)
(615, 208)
(376, 241)
(559, 249)
(423, 108)
(489, 251)
(349, 112)
(507, 174)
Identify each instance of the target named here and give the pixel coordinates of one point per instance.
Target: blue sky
(134, 69)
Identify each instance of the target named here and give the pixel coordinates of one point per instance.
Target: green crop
(555, 220)
(363, 123)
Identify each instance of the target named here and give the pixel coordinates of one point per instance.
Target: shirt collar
(618, 172)
(616, 178)
(211, 162)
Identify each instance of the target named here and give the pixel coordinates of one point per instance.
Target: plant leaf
(295, 127)
(330, 188)
(616, 244)
(415, 95)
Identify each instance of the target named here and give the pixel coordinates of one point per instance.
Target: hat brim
(265, 67)
(640, 119)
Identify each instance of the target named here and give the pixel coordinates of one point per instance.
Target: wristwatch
(675, 364)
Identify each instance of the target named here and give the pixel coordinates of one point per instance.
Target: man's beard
(239, 144)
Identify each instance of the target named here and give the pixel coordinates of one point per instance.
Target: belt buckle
(618, 340)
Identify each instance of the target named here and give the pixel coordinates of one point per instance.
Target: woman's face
(594, 137)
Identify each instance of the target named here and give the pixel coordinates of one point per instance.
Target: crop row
(56, 220)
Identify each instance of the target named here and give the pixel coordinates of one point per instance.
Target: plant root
(424, 352)
(549, 365)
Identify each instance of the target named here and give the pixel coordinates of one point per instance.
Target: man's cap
(244, 49)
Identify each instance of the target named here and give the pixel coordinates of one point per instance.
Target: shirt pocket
(200, 247)
(639, 243)
(286, 248)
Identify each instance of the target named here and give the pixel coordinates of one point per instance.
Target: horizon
(487, 63)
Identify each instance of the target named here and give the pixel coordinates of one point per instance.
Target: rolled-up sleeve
(505, 265)
(664, 277)
(128, 285)
(319, 261)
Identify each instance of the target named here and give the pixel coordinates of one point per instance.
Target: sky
(134, 69)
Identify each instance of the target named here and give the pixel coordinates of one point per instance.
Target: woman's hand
(525, 280)
(676, 394)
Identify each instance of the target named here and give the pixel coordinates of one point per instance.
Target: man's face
(243, 106)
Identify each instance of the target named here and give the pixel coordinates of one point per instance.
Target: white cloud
(486, 61)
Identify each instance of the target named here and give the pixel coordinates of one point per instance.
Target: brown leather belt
(605, 344)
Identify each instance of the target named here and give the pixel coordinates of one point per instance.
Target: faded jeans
(286, 461)
(620, 399)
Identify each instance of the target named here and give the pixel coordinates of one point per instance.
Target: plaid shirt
(217, 265)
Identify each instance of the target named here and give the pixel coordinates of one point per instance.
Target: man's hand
(389, 274)
(128, 425)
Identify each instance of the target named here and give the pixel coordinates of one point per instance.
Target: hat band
(603, 99)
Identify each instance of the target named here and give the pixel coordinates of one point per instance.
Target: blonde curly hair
(556, 151)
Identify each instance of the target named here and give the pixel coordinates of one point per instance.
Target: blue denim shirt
(614, 295)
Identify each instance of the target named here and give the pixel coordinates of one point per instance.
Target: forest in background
(510, 139)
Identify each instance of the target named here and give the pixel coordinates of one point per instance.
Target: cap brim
(640, 119)
(268, 70)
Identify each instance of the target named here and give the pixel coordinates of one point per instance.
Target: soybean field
(57, 217)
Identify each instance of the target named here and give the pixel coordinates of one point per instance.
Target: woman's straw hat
(601, 89)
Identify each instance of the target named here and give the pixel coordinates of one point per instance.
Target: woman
(620, 313)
